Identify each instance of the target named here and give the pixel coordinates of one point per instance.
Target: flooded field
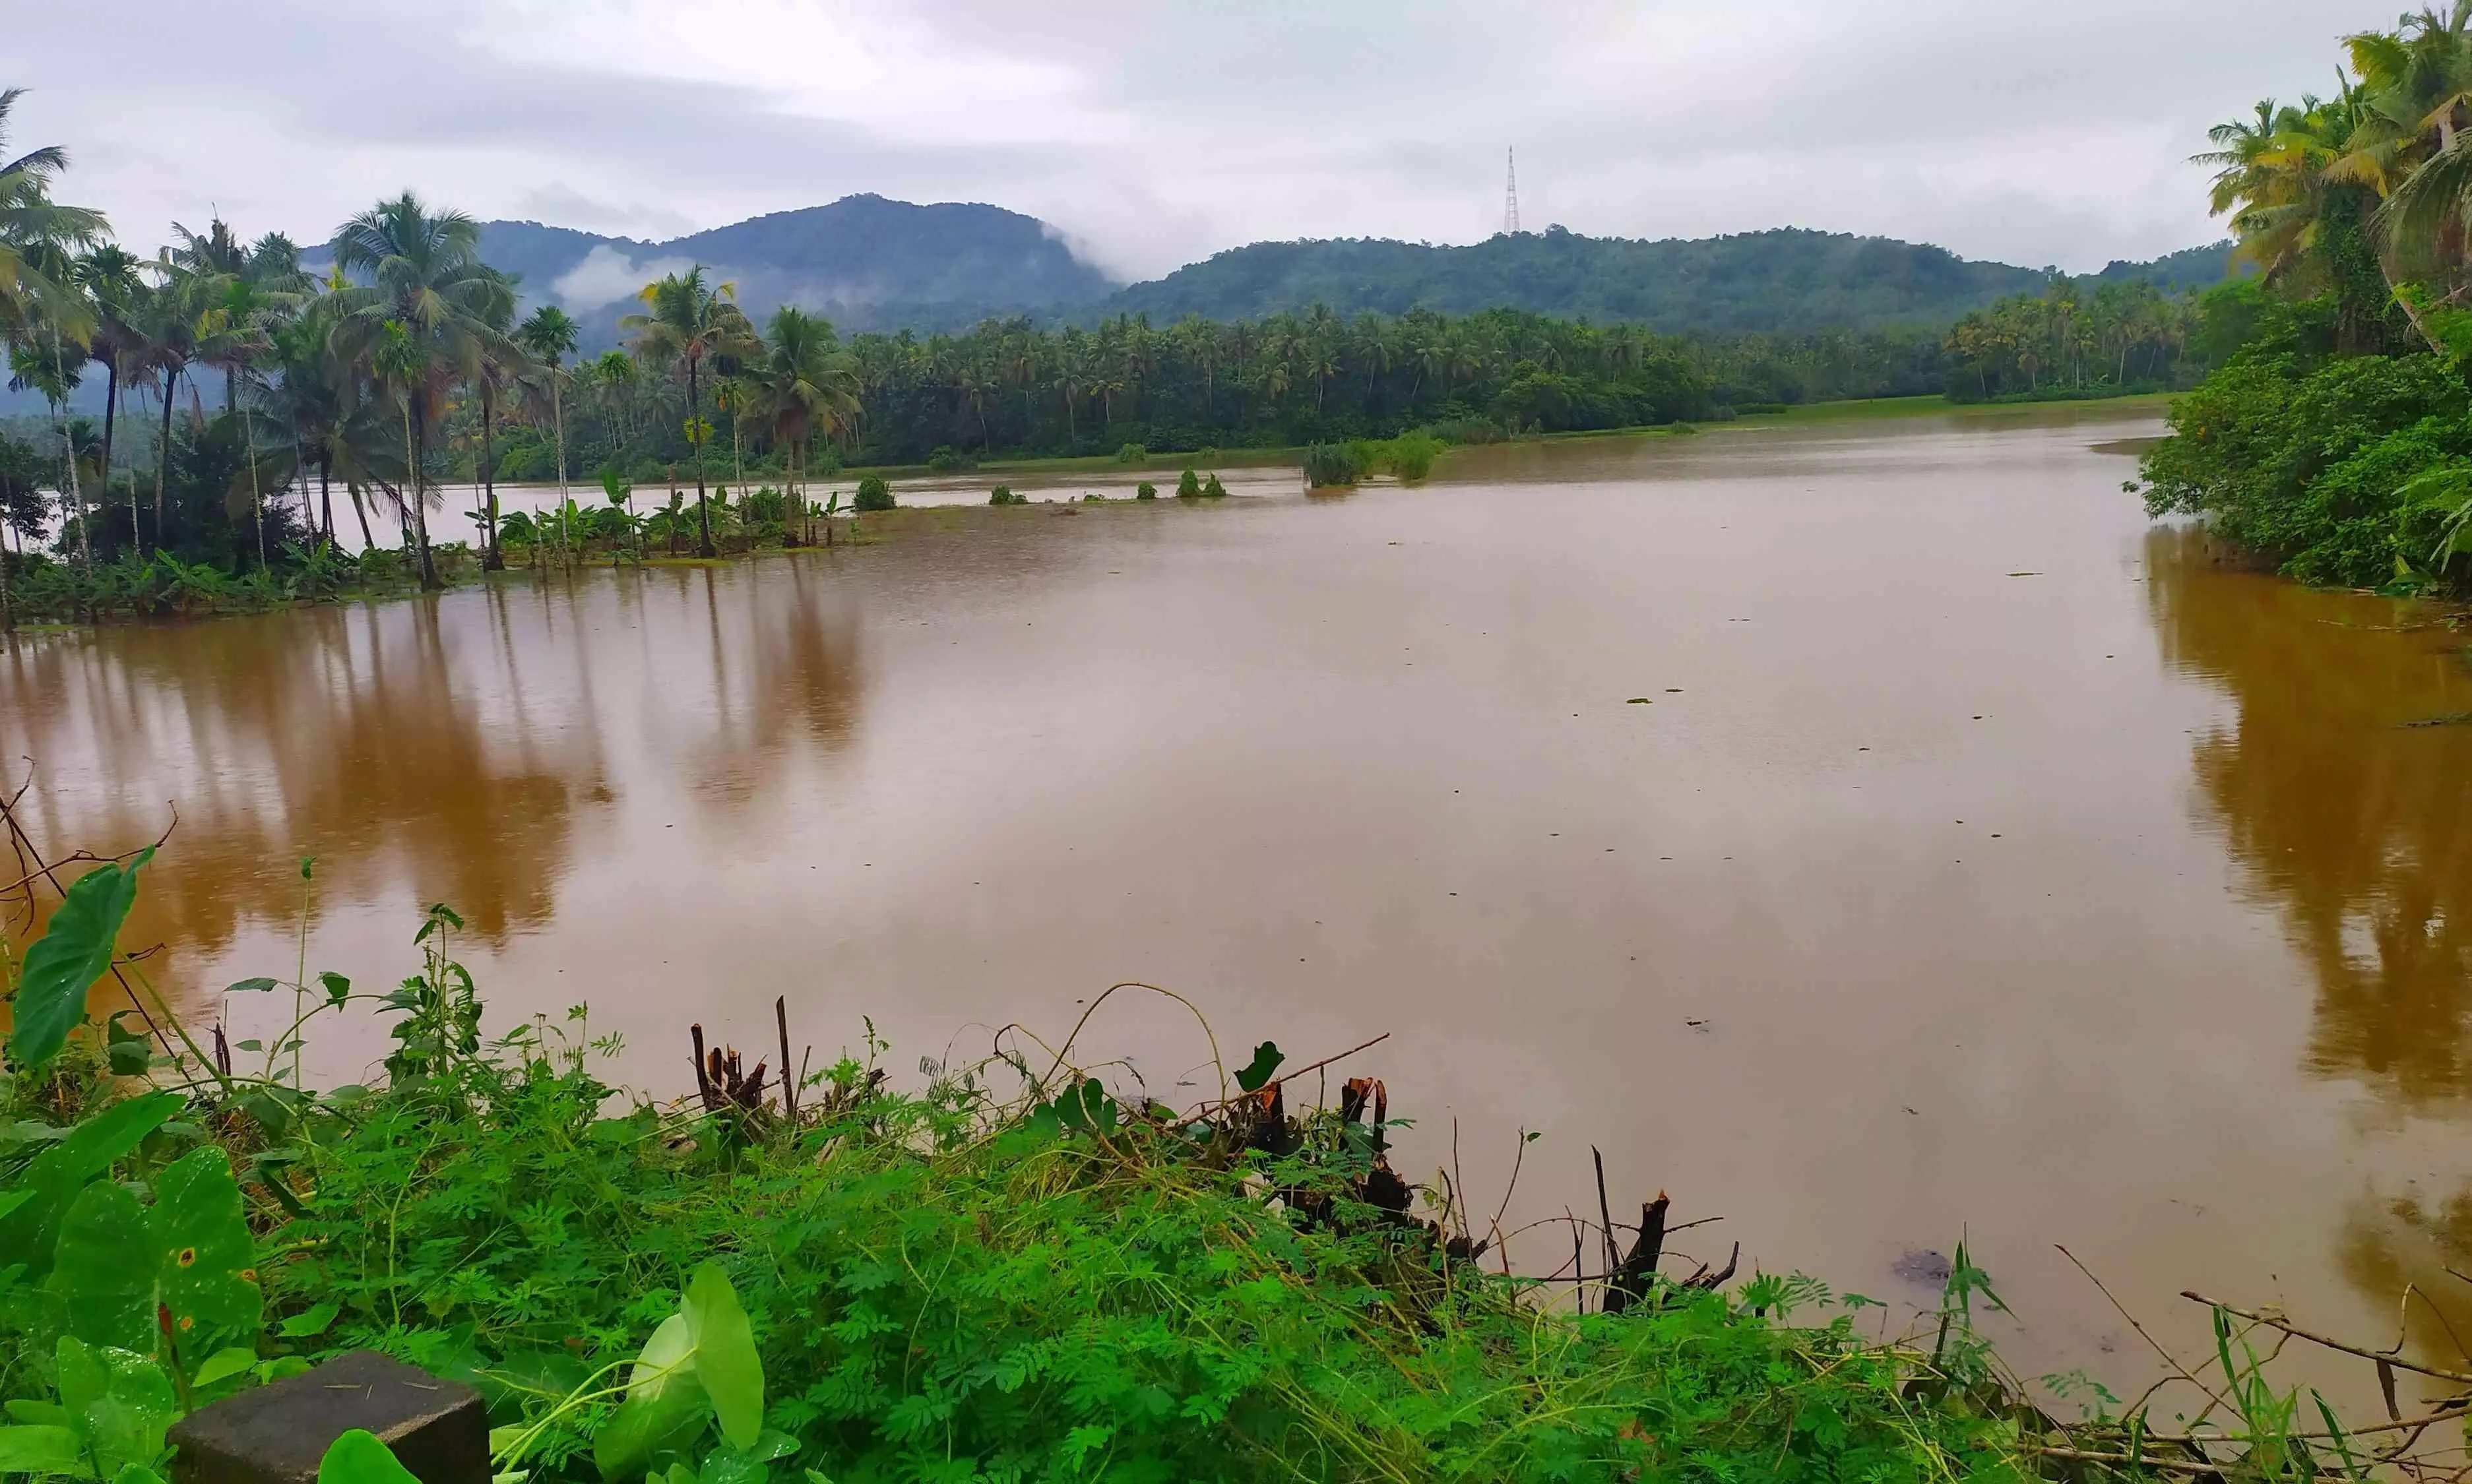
(1868, 833)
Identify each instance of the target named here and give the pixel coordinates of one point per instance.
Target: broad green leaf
(665, 1405)
(358, 1457)
(48, 1414)
(224, 1363)
(119, 1404)
(28, 1231)
(136, 1473)
(104, 1272)
(252, 986)
(1256, 1075)
(725, 1359)
(191, 1255)
(74, 951)
(301, 1327)
(43, 1450)
(132, 1052)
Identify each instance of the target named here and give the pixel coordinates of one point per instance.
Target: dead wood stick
(789, 1087)
(2459, 1377)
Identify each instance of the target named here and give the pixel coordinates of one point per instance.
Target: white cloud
(1152, 134)
(608, 276)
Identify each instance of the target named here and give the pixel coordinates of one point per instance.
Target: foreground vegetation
(1008, 1272)
(2337, 440)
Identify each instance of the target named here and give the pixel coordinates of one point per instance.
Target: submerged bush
(1332, 464)
(873, 494)
(1145, 490)
(1003, 494)
(1188, 485)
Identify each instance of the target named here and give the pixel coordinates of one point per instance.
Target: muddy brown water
(1871, 835)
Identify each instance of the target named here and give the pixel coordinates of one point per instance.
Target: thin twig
(2459, 1377)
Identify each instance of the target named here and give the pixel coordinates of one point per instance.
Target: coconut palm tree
(430, 304)
(687, 322)
(108, 275)
(549, 336)
(38, 238)
(806, 384)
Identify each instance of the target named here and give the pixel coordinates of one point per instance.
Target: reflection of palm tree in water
(2357, 829)
(362, 736)
(800, 679)
(2356, 826)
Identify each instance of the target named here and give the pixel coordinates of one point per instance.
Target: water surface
(1869, 834)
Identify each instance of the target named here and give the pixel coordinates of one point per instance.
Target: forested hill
(1783, 280)
(864, 262)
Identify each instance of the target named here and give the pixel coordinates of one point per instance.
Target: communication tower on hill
(1511, 194)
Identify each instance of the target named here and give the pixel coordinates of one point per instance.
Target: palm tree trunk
(110, 421)
(558, 419)
(361, 514)
(326, 496)
(68, 445)
(703, 511)
(413, 429)
(163, 454)
(492, 558)
(256, 498)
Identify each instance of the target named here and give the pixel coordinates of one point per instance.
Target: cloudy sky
(1155, 134)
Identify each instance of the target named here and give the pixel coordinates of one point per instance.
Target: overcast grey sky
(1155, 133)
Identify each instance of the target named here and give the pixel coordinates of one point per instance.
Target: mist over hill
(864, 262)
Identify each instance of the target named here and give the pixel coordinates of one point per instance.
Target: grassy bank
(1002, 1270)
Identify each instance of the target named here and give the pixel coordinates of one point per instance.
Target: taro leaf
(665, 1405)
(726, 1357)
(1257, 1074)
(73, 953)
(358, 1457)
(224, 1364)
(120, 1265)
(119, 1404)
(49, 1414)
(132, 1052)
(29, 1232)
(41, 1449)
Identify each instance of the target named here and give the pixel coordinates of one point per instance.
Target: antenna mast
(1511, 194)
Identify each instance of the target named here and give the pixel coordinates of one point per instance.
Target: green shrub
(1003, 494)
(873, 494)
(1212, 489)
(946, 458)
(1330, 465)
(1188, 485)
(1133, 453)
(1145, 490)
(2307, 460)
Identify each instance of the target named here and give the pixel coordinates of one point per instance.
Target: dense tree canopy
(2335, 440)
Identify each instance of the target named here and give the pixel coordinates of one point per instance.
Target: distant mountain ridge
(868, 262)
(1782, 280)
(864, 262)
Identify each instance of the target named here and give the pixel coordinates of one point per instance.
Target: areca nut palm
(687, 322)
(426, 299)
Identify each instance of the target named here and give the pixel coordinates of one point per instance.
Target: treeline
(2337, 440)
(2124, 335)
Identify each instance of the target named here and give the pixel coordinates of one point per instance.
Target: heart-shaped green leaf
(74, 951)
(359, 1457)
(1256, 1074)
